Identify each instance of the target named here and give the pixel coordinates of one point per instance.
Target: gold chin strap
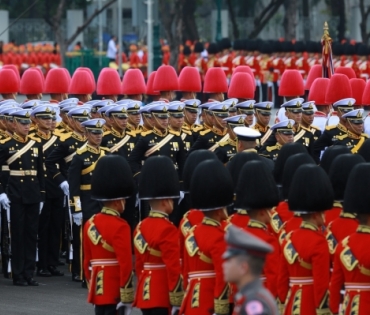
(147, 121)
(216, 121)
(353, 128)
(156, 119)
(186, 118)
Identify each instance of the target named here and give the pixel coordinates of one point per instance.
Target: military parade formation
(196, 201)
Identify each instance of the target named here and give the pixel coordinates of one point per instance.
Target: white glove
(41, 206)
(77, 218)
(4, 201)
(65, 187)
(175, 310)
(128, 308)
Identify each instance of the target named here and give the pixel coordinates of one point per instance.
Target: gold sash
(216, 145)
(119, 144)
(20, 152)
(266, 136)
(159, 145)
(299, 135)
(48, 144)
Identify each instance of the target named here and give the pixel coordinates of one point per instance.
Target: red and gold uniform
(339, 229)
(333, 213)
(207, 292)
(226, 62)
(283, 210)
(271, 267)
(304, 272)
(292, 224)
(157, 265)
(352, 270)
(107, 247)
(240, 218)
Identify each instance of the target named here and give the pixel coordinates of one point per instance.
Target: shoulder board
(145, 133)
(187, 131)
(315, 127)
(5, 140)
(104, 149)
(223, 143)
(204, 132)
(304, 128)
(330, 127)
(197, 128)
(34, 137)
(81, 150)
(342, 137)
(365, 135)
(130, 133)
(65, 136)
(105, 133)
(269, 149)
(176, 133)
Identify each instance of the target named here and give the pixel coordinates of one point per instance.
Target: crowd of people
(224, 209)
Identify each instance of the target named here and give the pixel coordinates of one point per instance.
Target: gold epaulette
(105, 133)
(145, 133)
(204, 132)
(105, 149)
(304, 128)
(187, 131)
(63, 137)
(223, 143)
(315, 127)
(81, 150)
(272, 148)
(5, 140)
(197, 128)
(176, 133)
(34, 137)
(342, 137)
(364, 135)
(130, 133)
(330, 127)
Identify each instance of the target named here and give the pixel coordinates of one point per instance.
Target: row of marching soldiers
(78, 142)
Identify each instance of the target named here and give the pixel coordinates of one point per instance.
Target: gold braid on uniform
(177, 295)
(127, 292)
(222, 303)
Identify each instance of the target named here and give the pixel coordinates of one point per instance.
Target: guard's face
(219, 122)
(232, 270)
(308, 119)
(134, 119)
(297, 117)
(43, 123)
(176, 123)
(119, 122)
(93, 138)
(356, 128)
(264, 120)
(249, 120)
(161, 123)
(190, 117)
(77, 124)
(9, 124)
(282, 138)
(22, 129)
(95, 115)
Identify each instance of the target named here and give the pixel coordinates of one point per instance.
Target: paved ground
(54, 296)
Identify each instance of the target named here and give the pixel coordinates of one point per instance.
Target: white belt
(205, 274)
(300, 281)
(104, 262)
(154, 266)
(355, 286)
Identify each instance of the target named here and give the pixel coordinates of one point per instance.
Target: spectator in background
(112, 49)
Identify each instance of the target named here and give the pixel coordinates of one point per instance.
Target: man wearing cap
(157, 249)
(246, 139)
(228, 148)
(59, 160)
(107, 126)
(159, 141)
(107, 239)
(176, 121)
(209, 139)
(283, 133)
(354, 138)
(23, 195)
(246, 108)
(79, 180)
(206, 116)
(190, 117)
(134, 117)
(94, 113)
(331, 133)
(63, 126)
(243, 264)
(52, 212)
(262, 113)
(308, 112)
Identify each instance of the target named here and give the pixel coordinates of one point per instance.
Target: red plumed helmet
(133, 82)
(315, 72)
(88, 70)
(108, 82)
(32, 82)
(189, 80)
(9, 81)
(149, 85)
(291, 84)
(349, 72)
(318, 91)
(338, 88)
(166, 79)
(15, 69)
(82, 82)
(245, 69)
(358, 87)
(57, 81)
(241, 86)
(366, 94)
(215, 81)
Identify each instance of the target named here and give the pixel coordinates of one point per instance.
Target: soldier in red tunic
(257, 192)
(305, 260)
(156, 242)
(107, 239)
(351, 259)
(211, 190)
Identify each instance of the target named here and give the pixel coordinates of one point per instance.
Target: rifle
(68, 228)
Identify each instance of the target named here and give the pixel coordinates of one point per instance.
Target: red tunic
(352, 269)
(339, 229)
(239, 219)
(304, 271)
(271, 267)
(333, 213)
(107, 249)
(207, 292)
(283, 210)
(292, 224)
(157, 253)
